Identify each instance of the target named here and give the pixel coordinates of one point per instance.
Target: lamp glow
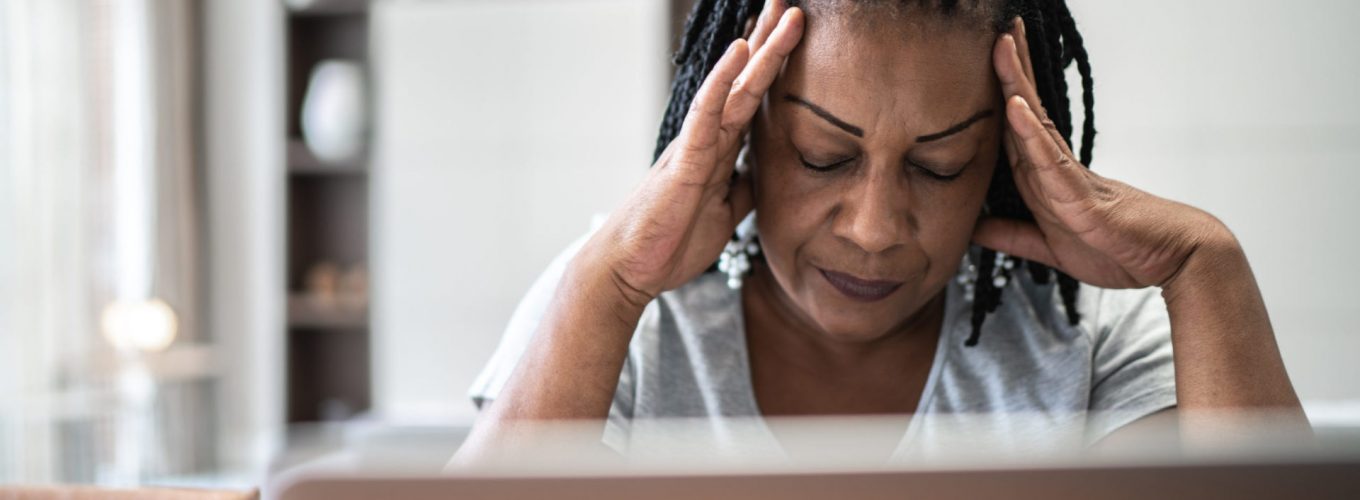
(148, 325)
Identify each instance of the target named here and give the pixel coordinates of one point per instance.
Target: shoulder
(1102, 312)
(1120, 345)
(688, 353)
(689, 323)
(704, 304)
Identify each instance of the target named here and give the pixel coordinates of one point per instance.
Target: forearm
(1225, 351)
(571, 368)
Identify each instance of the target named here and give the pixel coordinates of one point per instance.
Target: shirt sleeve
(1133, 373)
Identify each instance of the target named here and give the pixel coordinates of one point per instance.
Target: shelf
(327, 365)
(301, 161)
(306, 311)
(326, 7)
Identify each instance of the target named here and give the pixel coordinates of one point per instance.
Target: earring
(1001, 268)
(735, 259)
(743, 165)
(968, 278)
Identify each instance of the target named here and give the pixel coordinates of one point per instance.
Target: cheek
(948, 214)
(945, 221)
(787, 204)
(790, 208)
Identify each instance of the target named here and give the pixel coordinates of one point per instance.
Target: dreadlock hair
(1054, 44)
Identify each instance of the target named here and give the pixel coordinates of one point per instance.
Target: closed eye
(824, 168)
(931, 173)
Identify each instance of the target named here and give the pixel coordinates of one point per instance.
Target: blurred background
(236, 234)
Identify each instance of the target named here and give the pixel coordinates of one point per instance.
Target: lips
(860, 289)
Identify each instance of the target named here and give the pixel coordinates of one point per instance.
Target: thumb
(1015, 237)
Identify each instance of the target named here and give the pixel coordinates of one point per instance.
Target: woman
(885, 137)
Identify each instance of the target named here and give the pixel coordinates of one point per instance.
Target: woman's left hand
(1100, 231)
(1108, 234)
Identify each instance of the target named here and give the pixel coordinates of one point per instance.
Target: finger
(1014, 81)
(1020, 178)
(1014, 237)
(703, 122)
(1017, 75)
(1047, 161)
(765, 23)
(755, 79)
(1022, 48)
(1037, 146)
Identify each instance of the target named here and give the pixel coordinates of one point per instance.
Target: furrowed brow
(825, 115)
(959, 127)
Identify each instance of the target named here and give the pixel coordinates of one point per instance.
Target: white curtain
(98, 203)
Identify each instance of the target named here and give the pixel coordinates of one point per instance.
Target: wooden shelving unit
(328, 334)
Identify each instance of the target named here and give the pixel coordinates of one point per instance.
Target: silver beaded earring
(1001, 270)
(968, 278)
(736, 256)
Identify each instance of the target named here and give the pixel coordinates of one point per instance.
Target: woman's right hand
(667, 232)
(677, 222)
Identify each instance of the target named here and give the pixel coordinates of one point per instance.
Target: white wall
(1248, 110)
(502, 126)
(244, 148)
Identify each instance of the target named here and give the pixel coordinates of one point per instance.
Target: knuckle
(695, 109)
(743, 89)
(697, 144)
(737, 85)
(1064, 160)
(1109, 195)
(698, 117)
(730, 126)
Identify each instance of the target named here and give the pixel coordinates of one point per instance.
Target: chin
(843, 319)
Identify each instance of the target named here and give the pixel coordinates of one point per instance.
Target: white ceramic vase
(334, 110)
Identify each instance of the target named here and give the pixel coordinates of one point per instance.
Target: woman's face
(872, 157)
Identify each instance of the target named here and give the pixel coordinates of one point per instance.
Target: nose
(874, 212)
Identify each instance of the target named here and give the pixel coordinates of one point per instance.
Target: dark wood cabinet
(327, 202)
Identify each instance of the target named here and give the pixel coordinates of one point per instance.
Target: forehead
(876, 64)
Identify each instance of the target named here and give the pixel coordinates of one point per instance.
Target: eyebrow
(825, 115)
(959, 127)
(859, 132)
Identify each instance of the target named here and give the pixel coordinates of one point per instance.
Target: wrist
(592, 284)
(1216, 260)
(1224, 347)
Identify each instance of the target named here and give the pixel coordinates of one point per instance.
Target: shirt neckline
(953, 294)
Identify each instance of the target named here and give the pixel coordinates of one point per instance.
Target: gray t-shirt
(1033, 379)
